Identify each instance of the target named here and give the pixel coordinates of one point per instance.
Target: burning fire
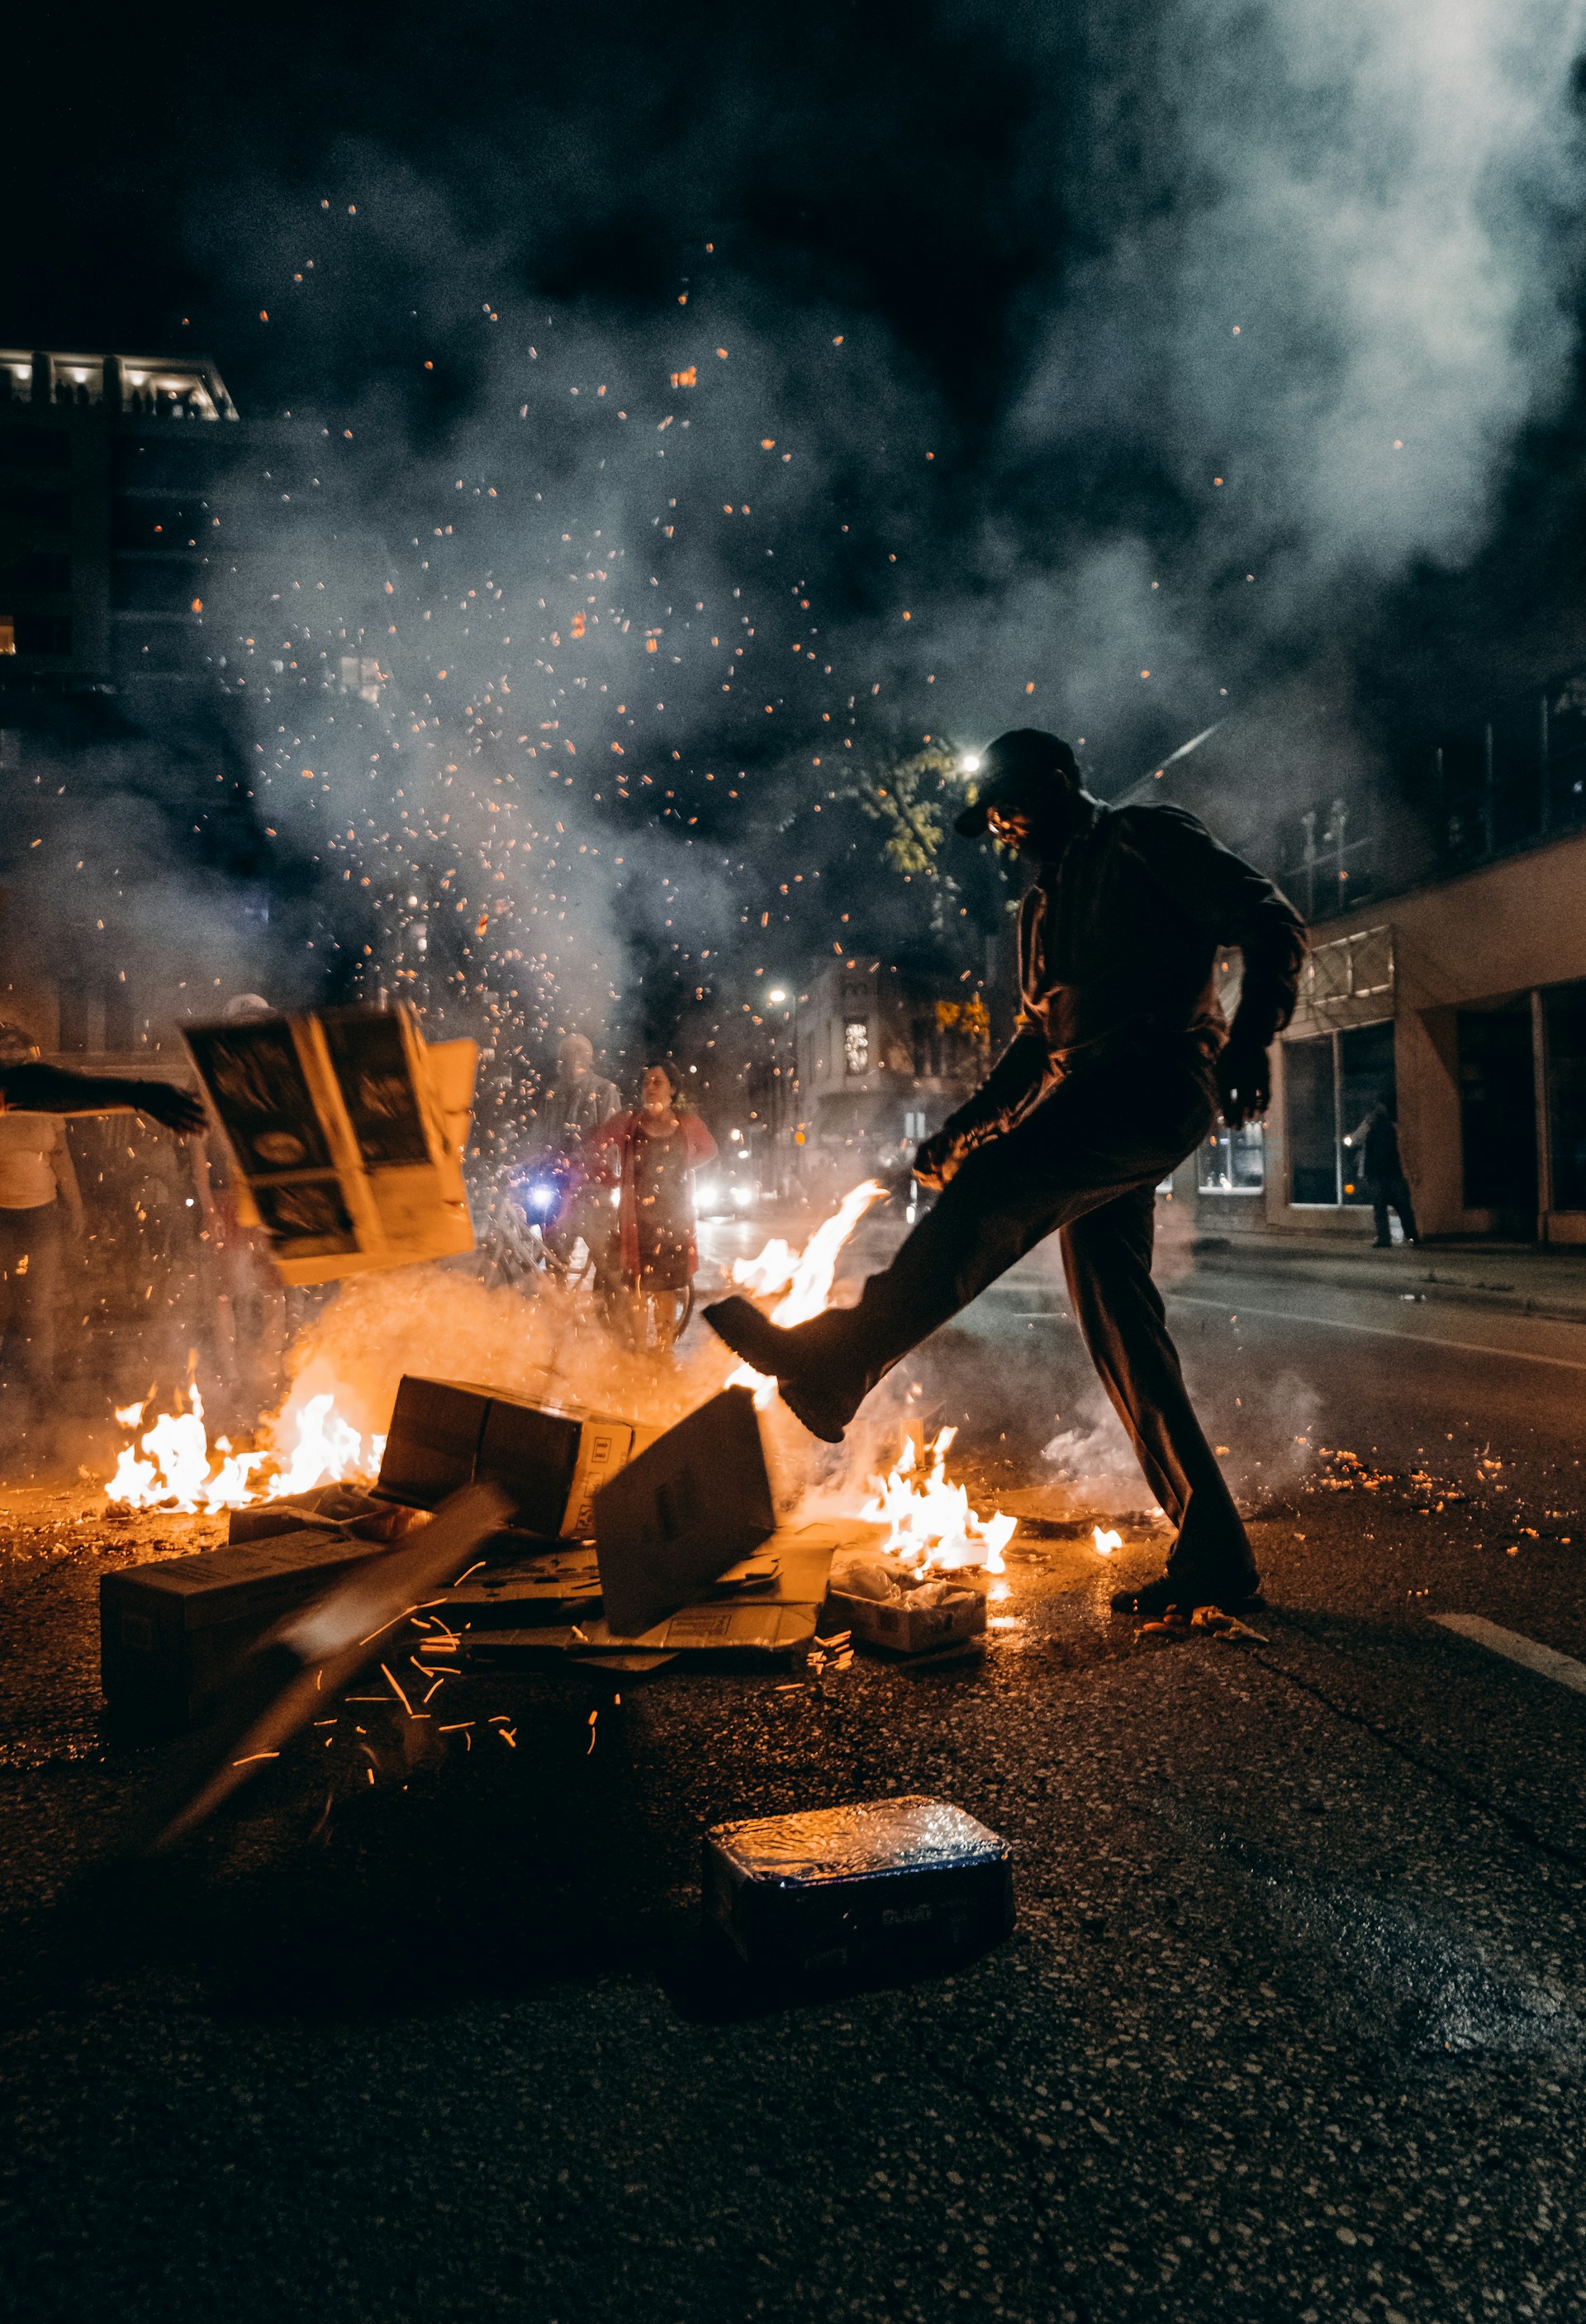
(314, 1446)
(1106, 1540)
(804, 1278)
(930, 1521)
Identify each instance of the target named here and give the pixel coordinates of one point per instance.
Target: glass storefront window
(1331, 1084)
(1232, 1161)
(1311, 1115)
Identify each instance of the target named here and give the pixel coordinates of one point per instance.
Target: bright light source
(970, 763)
(776, 996)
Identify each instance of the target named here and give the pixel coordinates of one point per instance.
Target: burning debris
(178, 1471)
(804, 1278)
(929, 1522)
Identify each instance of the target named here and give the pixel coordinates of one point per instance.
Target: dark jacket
(1118, 942)
(1377, 1141)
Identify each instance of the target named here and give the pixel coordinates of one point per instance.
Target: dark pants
(1085, 1163)
(1392, 1193)
(30, 1274)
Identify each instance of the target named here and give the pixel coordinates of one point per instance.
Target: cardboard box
(171, 1632)
(695, 1502)
(904, 1627)
(447, 1433)
(348, 1133)
(883, 1885)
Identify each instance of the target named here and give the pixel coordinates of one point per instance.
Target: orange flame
(313, 1446)
(805, 1280)
(931, 1522)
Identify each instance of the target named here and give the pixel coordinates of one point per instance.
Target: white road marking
(1546, 1661)
(1232, 1308)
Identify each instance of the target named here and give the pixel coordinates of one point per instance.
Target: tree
(913, 796)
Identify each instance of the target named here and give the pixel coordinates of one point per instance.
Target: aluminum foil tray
(880, 1884)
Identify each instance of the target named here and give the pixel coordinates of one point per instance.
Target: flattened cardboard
(766, 1607)
(681, 1513)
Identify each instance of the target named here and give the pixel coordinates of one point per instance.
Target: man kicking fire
(1121, 1065)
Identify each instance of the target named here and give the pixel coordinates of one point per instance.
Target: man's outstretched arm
(51, 1089)
(1013, 1082)
(1236, 905)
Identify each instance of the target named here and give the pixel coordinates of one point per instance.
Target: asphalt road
(1291, 2024)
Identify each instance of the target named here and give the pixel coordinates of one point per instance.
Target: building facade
(174, 583)
(1447, 977)
(883, 1057)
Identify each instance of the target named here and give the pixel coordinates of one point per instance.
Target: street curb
(1427, 1286)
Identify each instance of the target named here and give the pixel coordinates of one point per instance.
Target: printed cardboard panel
(677, 1516)
(347, 1136)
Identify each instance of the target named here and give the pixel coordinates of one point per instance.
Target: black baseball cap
(1018, 770)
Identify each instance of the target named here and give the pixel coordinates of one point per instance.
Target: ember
(313, 1446)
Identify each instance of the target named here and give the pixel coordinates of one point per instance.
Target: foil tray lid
(857, 1842)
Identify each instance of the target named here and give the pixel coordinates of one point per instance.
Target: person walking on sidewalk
(1376, 1139)
(1120, 1063)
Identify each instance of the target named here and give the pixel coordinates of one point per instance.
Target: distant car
(720, 1193)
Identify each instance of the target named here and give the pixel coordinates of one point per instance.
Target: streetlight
(780, 1080)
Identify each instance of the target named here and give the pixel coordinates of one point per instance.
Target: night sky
(732, 401)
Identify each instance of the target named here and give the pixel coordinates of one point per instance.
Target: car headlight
(742, 1197)
(707, 1191)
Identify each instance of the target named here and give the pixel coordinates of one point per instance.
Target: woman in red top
(651, 1156)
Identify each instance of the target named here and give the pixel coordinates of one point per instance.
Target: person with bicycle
(578, 1102)
(651, 1156)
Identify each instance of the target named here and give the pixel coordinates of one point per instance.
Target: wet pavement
(1291, 2024)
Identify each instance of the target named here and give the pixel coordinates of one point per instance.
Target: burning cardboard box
(885, 1604)
(348, 1132)
(449, 1434)
(880, 1885)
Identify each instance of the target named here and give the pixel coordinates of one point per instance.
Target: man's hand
(937, 1159)
(172, 1108)
(1244, 1082)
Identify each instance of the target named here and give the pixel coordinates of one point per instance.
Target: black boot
(813, 1369)
(1155, 1598)
(1209, 1565)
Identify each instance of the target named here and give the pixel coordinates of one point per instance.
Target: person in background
(652, 1155)
(1383, 1170)
(36, 1176)
(578, 1104)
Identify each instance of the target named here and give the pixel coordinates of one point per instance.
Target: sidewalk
(1530, 1277)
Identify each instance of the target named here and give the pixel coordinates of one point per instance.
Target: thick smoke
(1293, 285)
